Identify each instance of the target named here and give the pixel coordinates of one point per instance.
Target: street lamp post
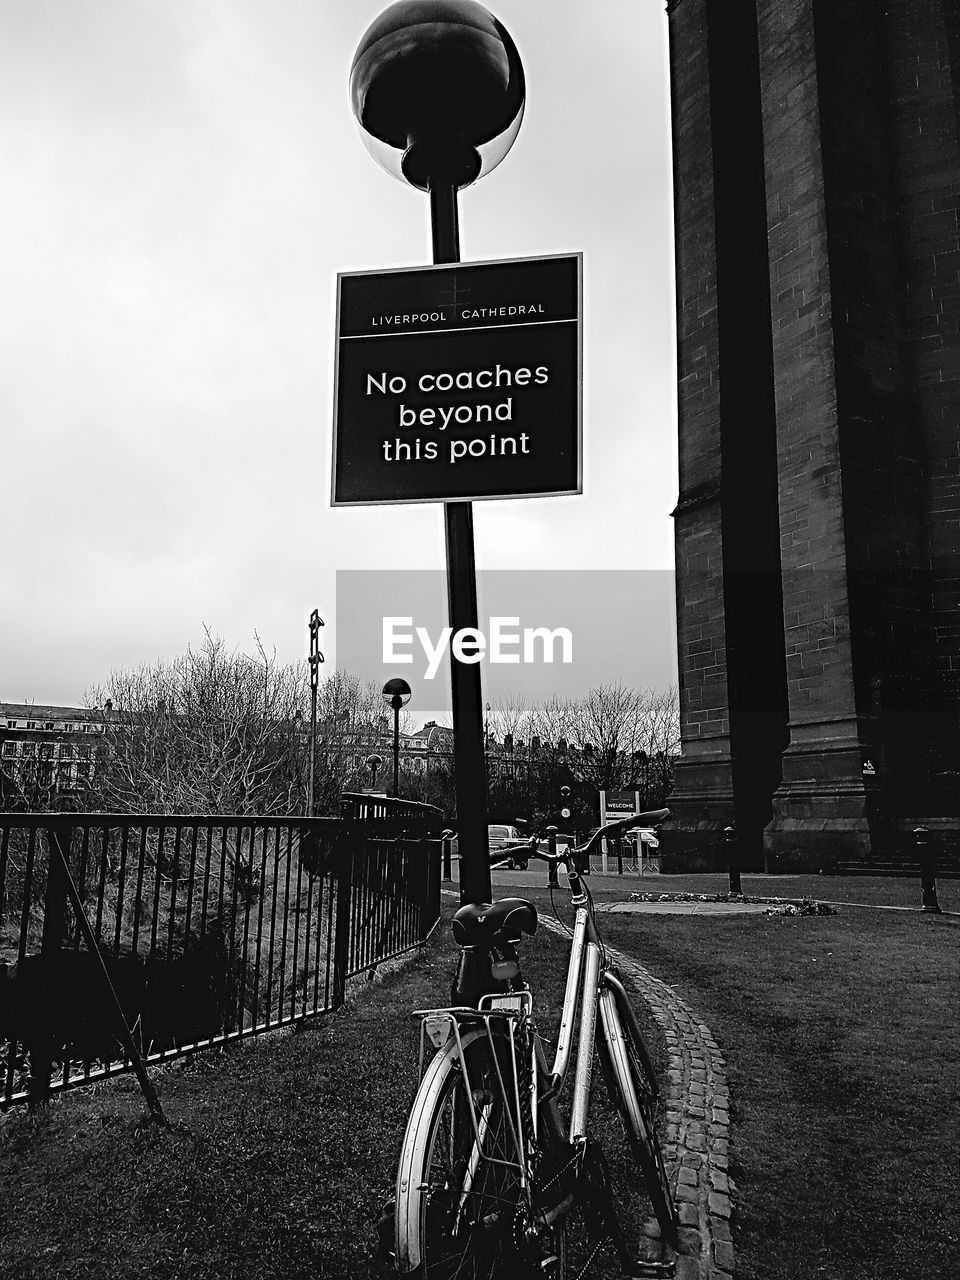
(439, 93)
(374, 762)
(316, 657)
(396, 693)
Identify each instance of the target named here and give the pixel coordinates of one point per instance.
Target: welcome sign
(459, 382)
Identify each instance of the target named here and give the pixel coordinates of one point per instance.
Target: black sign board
(459, 382)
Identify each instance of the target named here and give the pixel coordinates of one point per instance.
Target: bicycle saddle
(480, 923)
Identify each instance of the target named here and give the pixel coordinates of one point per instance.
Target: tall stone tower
(817, 183)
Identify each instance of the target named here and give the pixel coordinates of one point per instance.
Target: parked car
(501, 838)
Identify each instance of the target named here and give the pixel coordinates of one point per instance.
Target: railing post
(55, 901)
(432, 913)
(733, 861)
(51, 943)
(928, 875)
(446, 844)
(341, 940)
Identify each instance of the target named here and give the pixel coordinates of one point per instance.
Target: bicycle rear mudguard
(409, 1207)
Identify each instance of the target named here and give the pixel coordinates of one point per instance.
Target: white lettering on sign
(396, 385)
(507, 643)
(419, 317)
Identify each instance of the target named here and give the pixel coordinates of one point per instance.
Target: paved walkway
(687, 908)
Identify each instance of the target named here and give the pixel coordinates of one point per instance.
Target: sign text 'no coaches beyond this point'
(459, 382)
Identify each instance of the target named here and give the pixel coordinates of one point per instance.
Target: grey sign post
(439, 93)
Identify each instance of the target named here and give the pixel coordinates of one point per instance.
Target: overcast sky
(181, 183)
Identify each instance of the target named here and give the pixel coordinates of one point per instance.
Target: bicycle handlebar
(581, 852)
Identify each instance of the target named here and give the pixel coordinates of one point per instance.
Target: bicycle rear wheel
(634, 1089)
(459, 1207)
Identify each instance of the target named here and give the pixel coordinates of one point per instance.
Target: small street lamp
(396, 693)
(374, 762)
(640, 769)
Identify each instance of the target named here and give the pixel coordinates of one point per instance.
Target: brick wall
(861, 176)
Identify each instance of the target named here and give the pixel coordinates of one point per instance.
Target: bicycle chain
(545, 1186)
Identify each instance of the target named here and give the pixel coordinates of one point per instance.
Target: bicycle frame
(582, 990)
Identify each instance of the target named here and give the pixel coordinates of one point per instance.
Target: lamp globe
(437, 87)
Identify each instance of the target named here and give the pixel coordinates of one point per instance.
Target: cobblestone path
(697, 1138)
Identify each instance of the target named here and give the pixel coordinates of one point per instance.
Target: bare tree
(612, 738)
(661, 745)
(608, 733)
(352, 723)
(220, 731)
(213, 731)
(509, 717)
(29, 784)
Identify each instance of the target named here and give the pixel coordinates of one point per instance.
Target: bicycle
(492, 1182)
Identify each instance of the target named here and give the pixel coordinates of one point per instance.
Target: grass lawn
(277, 1166)
(841, 1040)
(284, 1150)
(840, 1035)
(893, 892)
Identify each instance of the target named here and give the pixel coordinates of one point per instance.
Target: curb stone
(698, 1125)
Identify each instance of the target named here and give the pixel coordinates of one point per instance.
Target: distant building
(353, 742)
(428, 748)
(47, 751)
(53, 751)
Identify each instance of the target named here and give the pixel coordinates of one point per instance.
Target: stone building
(48, 752)
(817, 175)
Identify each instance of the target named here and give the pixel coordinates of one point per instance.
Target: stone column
(701, 802)
(822, 809)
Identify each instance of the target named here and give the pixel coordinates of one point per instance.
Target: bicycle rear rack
(439, 1026)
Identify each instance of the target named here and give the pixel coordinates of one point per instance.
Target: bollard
(928, 877)
(446, 846)
(552, 850)
(733, 864)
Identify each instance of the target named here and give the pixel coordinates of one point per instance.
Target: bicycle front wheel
(459, 1188)
(635, 1092)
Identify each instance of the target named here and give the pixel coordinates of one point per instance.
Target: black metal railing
(211, 929)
